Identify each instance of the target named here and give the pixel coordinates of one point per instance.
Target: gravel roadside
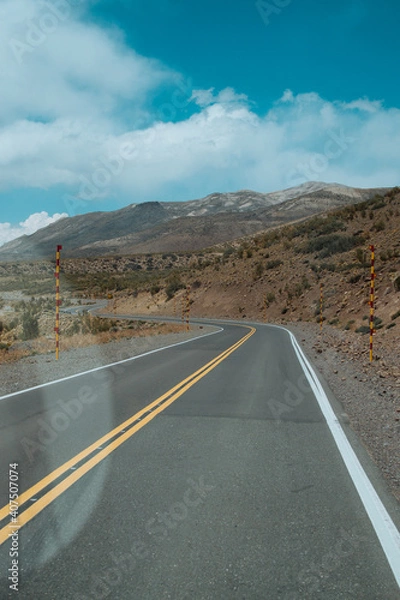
(369, 393)
(35, 370)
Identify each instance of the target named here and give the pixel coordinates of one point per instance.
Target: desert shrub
(379, 225)
(155, 288)
(273, 264)
(270, 238)
(363, 329)
(174, 284)
(13, 324)
(298, 290)
(361, 256)
(227, 252)
(318, 226)
(395, 315)
(30, 326)
(258, 271)
(354, 278)
(327, 245)
(270, 297)
(74, 328)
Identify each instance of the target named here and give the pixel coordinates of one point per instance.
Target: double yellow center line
(120, 434)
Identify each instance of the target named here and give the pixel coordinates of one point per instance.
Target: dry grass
(44, 345)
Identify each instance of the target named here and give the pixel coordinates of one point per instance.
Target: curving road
(214, 469)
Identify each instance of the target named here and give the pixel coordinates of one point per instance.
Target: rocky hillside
(277, 276)
(180, 226)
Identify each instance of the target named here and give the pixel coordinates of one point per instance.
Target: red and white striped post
(58, 302)
(183, 303)
(372, 304)
(265, 308)
(321, 305)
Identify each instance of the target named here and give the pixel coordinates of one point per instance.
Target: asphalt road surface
(215, 469)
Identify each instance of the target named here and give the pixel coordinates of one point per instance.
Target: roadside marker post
(183, 310)
(321, 305)
(372, 304)
(265, 308)
(188, 308)
(58, 302)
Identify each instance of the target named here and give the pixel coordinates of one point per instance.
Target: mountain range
(181, 226)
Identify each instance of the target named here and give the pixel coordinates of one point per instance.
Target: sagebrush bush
(30, 326)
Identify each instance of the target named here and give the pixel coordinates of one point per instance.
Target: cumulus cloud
(32, 224)
(302, 138)
(78, 111)
(228, 95)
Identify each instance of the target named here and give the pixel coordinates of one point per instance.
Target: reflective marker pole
(58, 302)
(188, 308)
(183, 310)
(372, 304)
(265, 308)
(321, 306)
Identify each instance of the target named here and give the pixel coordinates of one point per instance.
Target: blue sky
(107, 103)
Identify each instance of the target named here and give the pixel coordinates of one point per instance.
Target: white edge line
(120, 362)
(385, 529)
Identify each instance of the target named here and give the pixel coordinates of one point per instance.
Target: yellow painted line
(38, 487)
(43, 502)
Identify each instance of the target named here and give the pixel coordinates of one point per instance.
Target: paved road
(210, 470)
(81, 308)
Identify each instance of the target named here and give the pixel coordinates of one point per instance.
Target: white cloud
(288, 96)
(228, 95)
(76, 111)
(32, 224)
(363, 104)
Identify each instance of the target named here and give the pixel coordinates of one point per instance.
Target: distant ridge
(181, 226)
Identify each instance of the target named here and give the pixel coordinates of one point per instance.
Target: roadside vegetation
(280, 270)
